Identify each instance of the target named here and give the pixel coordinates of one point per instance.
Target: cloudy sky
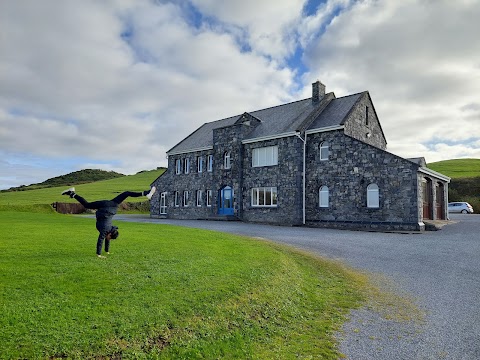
(114, 84)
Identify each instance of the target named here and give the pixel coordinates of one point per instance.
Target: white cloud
(267, 24)
(71, 86)
(420, 62)
(115, 84)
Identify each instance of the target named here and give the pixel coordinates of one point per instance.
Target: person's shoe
(152, 191)
(70, 192)
(101, 257)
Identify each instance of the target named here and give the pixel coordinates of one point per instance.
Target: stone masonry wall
(351, 167)
(286, 177)
(229, 139)
(357, 126)
(242, 177)
(170, 182)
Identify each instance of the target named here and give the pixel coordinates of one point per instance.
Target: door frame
(225, 201)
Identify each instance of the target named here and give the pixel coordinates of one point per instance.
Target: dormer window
(226, 160)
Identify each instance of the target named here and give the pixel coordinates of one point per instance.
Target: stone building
(320, 161)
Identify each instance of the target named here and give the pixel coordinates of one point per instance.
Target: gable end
(362, 123)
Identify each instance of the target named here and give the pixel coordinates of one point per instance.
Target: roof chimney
(318, 91)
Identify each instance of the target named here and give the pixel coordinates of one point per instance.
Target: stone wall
(357, 126)
(351, 167)
(242, 177)
(224, 139)
(286, 177)
(229, 139)
(170, 182)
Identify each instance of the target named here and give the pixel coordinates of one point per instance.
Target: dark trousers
(103, 228)
(104, 222)
(108, 203)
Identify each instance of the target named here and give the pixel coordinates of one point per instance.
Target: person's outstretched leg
(120, 198)
(88, 205)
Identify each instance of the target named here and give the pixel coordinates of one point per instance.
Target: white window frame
(373, 196)
(227, 161)
(199, 198)
(178, 166)
(186, 198)
(210, 163)
(265, 156)
(209, 198)
(324, 150)
(323, 197)
(177, 199)
(186, 165)
(163, 203)
(260, 196)
(199, 164)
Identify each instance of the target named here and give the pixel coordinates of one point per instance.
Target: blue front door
(225, 206)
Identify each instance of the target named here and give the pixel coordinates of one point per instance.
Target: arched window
(323, 196)
(226, 160)
(324, 151)
(373, 196)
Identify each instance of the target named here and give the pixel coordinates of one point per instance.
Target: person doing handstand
(106, 209)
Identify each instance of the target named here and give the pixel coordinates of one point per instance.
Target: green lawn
(99, 190)
(165, 292)
(457, 168)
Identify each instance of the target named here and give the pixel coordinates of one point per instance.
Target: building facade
(318, 162)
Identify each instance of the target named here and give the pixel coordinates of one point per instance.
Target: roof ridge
(317, 110)
(356, 94)
(251, 112)
(276, 106)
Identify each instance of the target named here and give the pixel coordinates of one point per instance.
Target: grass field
(99, 190)
(457, 168)
(164, 292)
(465, 174)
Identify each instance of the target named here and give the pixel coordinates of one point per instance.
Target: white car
(460, 207)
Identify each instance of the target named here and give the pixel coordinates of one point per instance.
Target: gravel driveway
(440, 270)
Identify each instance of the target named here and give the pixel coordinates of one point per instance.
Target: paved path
(440, 270)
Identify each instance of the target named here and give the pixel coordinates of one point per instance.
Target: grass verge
(99, 190)
(165, 292)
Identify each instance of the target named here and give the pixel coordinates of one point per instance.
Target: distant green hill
(98, 190)
(457, 168)
(76, 177)
(465, 183)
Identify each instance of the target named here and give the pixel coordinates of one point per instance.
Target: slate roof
(275, 120)
(336, 112)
